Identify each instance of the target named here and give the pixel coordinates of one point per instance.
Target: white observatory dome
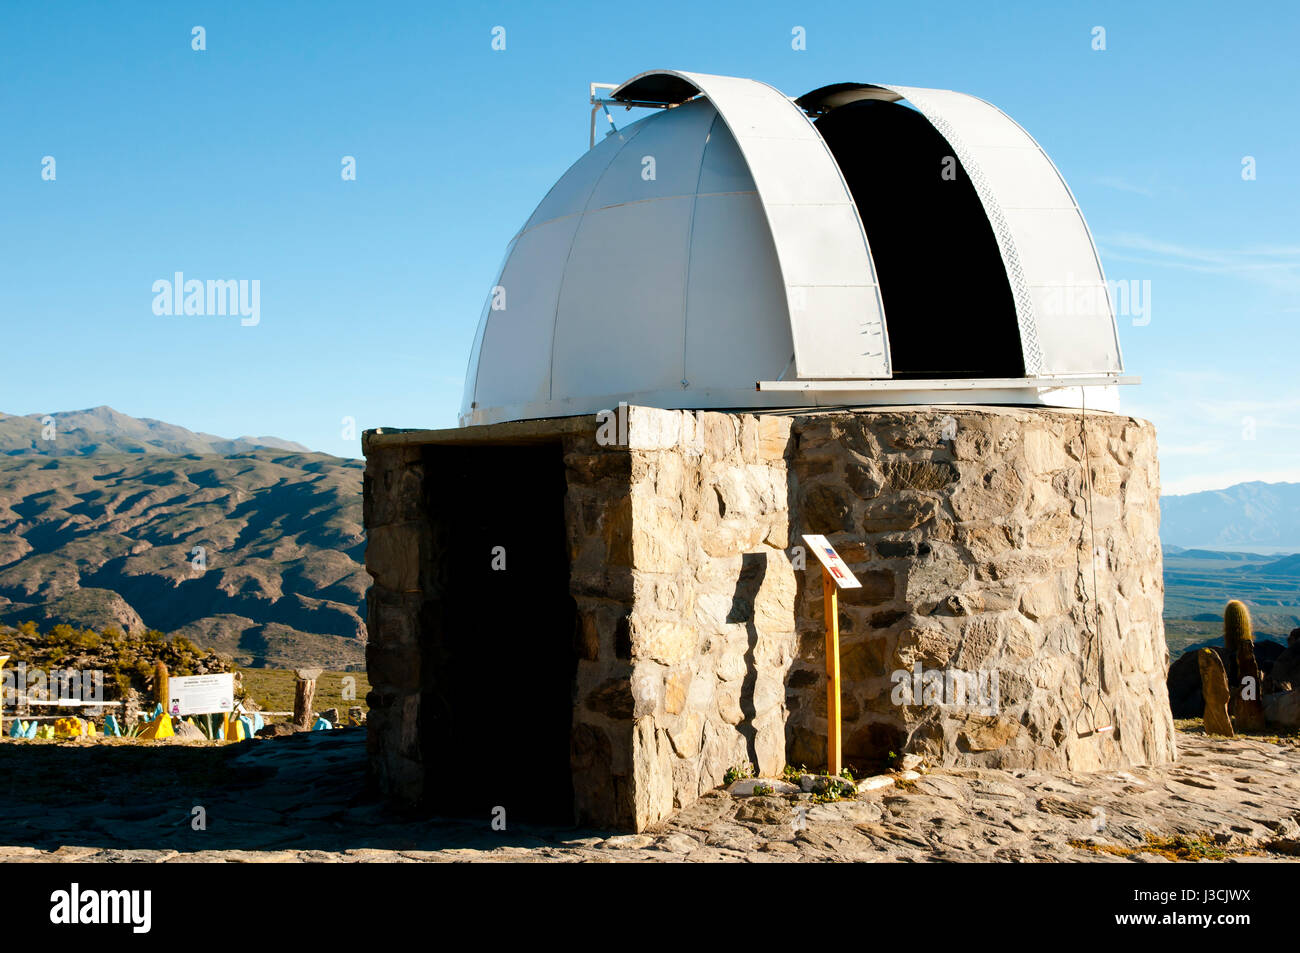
(739, 249)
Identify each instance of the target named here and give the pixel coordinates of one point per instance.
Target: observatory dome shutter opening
(948, 305)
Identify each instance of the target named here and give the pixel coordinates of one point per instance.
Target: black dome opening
(948, 305)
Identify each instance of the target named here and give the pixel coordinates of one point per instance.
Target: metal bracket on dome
(601, 103)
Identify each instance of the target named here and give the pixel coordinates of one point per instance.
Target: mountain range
(252, 546)
(1260, 517)
(104, 430)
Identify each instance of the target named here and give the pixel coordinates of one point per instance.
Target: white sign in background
(201, 694)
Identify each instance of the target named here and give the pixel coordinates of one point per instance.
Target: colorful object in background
(239, 727)
(321, 725)
(3, 659)
(160, 727)
(69, 726)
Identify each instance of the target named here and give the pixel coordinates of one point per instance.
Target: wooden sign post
(835, 576)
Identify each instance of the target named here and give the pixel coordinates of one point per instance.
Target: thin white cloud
(1275, 265)
(1121, 185)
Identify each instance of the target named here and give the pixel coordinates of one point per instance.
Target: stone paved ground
(302, 799)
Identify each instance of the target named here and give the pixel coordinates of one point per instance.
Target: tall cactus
(160, 679)
(1244, 678)
(1236, 620)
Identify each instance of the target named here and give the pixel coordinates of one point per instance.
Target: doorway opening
(498, 634)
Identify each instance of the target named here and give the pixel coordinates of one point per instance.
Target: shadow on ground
(303, 792)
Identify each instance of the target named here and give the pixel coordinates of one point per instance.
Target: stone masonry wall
(685, 605)
(699, 637)
(712, 630)
(970, 531)
(398, 551)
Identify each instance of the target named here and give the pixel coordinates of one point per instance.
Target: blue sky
(226, 163)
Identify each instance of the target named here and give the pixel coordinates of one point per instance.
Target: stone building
(597, 586)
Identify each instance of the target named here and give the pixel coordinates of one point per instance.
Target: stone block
(649, 428)
(902, 512)
(393, 556)
(662, 640)
(985, 733)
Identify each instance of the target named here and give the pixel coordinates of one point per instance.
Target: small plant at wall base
(833, 789)
(738, 773)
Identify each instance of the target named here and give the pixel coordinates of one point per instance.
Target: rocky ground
(302, 799)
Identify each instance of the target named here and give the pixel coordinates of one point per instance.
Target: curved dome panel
(836, 315)
(646, 280)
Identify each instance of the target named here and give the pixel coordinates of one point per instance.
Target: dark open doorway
(949, 310)
(498, 634)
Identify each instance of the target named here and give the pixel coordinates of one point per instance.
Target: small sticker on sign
(826, 554)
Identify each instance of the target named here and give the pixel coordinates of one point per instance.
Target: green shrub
(738, 772)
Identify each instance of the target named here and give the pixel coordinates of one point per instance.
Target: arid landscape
(250, 547)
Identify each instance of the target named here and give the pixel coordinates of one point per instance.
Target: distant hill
(1263, 517)
(1287, 566)
(1198, 584)
(1232, 557)
(104, 430)
(1239, 543)
(100, 526)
